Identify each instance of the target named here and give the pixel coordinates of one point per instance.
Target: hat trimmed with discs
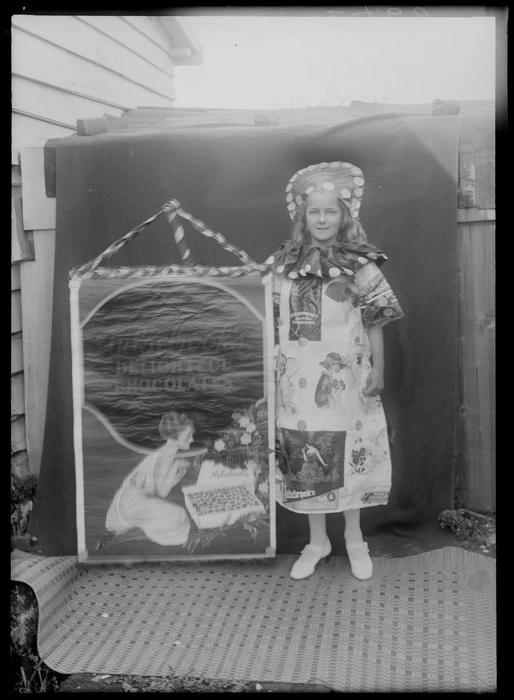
(343, 179)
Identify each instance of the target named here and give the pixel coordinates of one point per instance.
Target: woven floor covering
(424, 623)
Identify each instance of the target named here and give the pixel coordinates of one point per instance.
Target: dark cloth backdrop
(234, 179)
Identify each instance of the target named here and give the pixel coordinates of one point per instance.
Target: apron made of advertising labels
(333, 447)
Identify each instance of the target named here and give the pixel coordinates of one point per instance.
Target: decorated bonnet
(344, 179)
(295, 260)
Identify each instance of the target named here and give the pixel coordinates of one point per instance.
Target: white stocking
(318, 528)
(352, 529)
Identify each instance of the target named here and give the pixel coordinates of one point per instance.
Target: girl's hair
(172, 424)
(350, 231)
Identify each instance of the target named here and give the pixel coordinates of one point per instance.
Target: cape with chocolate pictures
(233, 178)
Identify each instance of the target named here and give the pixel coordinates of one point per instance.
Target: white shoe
(360, 561)
(311, 554)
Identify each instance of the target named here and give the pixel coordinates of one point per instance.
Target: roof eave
(185, 49)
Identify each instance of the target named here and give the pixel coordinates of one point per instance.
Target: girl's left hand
(374, 383)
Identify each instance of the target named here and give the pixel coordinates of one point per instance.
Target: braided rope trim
(202, 228)
(181, 270)
(179, 237)
(171, 209)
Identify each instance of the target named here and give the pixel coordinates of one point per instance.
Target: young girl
(331, 302)
(140, 502)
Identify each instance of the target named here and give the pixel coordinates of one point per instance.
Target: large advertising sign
(173, 416)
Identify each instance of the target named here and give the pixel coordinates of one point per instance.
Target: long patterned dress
(332, 439)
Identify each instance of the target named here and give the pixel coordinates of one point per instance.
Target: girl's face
(185, 438)
(333, 365)
(323, 217)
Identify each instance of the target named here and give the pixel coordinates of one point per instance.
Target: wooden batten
(476, 215)
(16, 354)
(17, 395)
(15, 311)
(18, 435)
(477, 163)
(21, 248)
(476, 440)
(15, 277)
(37, 299)
(92, 127)
(38, 209)
(473, 214)
(15, 176)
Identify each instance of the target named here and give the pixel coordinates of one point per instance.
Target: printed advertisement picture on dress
(312, 464)
(173, 398)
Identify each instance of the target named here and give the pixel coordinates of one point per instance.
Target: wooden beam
(15, 311)
(18, 436)
(476, 444)
(92, 127)
(485, 178)
(477, 162)
(16, 354)
(474, 214)
(37, 279)
(21, 248)
(15, 277)
(467, 196)
(15, 176)
(38, 209)
(17, 395)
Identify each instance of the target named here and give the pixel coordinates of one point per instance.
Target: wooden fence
(475, 467)
(475, 476)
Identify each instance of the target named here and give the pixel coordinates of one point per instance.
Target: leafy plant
(34, 676)
(23, 491)
(464, 525)
(203, 538)
(176, 683)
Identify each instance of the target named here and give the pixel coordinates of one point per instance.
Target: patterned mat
(424, 623)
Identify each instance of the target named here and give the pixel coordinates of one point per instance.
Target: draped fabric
(234, 179)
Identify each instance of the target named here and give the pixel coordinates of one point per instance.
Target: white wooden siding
(66, 68)
(55, 104)
(29, 131)
(151, 46)
(84, 43)
(118, 83)
(147, 26)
